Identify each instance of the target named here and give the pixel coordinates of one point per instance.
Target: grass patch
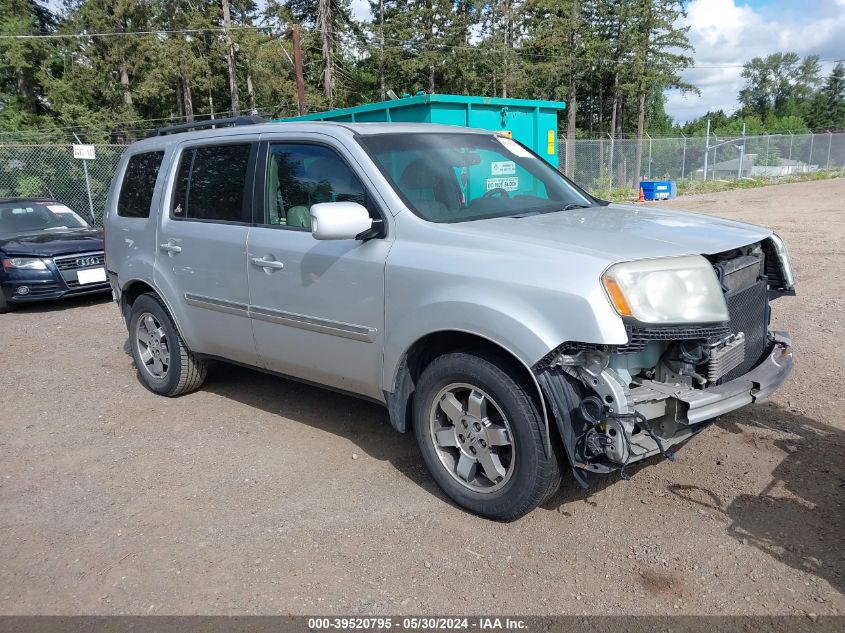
(689, 187)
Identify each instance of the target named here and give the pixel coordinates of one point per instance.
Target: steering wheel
(498, 192)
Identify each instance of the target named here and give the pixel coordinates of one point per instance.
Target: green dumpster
(532, 123)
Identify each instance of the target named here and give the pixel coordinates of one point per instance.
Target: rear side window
(211, 184)
(139, 180)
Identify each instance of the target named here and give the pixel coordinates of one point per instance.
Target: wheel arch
(433, 344)
(133, 289)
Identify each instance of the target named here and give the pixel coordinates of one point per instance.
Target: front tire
(165, 365)
(481, 435)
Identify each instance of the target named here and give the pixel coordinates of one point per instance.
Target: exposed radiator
(749, 312)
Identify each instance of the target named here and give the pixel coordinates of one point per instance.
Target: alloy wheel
(472, 437)
(152, 345)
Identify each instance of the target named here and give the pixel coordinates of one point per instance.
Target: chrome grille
(80, 260)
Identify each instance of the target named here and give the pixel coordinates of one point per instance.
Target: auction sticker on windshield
(508, 184)
(503, 168)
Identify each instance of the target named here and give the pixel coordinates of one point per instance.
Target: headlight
(670, 290)
(785, 264)
(27, 263)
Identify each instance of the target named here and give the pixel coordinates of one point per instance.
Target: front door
(201, 263)
(317, 307)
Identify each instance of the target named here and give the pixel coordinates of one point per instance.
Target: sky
(727, 33)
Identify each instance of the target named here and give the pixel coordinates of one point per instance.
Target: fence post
(610, 173)
(768, 142)
(829, 145)
(684, 158)
(810, 156)
(715, 156)
(87, 184)
(649, 155)
(790, 145)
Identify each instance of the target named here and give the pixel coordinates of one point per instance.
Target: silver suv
(516, 324)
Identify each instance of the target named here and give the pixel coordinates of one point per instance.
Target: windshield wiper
(576, 205)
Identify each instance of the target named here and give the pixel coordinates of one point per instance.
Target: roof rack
(199, 125)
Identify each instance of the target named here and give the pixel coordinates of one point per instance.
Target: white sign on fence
(85, 152)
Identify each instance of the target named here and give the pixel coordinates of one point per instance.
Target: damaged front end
(615, 405)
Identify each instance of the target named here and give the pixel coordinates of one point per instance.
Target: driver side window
(300, 175)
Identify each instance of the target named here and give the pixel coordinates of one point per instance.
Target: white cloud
(726, 34)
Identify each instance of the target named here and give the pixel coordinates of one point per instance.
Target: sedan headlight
(25, 263)
(785, 264)
(670, 290)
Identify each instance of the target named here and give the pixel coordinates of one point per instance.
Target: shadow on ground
(364, 423)
(799, 517)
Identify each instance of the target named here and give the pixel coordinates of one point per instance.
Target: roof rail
(198, 125)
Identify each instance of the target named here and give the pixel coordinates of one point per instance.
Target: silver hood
(620, 232)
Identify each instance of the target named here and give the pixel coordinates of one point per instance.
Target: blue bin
(657, 189)
(532, 123)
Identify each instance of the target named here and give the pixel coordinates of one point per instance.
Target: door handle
(267, 263)
(170, 247)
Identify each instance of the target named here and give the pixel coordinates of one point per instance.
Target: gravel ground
(261, 495)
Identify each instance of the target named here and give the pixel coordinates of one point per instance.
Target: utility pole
(297, 65)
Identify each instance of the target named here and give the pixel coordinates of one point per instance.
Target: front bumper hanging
(674, 412)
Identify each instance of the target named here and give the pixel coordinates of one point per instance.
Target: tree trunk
(383, 89)
(571, 111)
(324, 23)
(638, 156)
(180, 97)
(505, 42)
(210, 97)
(187, 98)
(26, 89)
(124, 81)
(615, 103)
(250, 90)
(230, 59)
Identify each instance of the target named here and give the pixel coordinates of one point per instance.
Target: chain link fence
(599, 165)
(52, 171)
(607, 165)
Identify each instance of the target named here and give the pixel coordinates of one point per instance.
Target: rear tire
(165, 365)
(482, 436)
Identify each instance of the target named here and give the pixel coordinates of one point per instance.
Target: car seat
(434, 192)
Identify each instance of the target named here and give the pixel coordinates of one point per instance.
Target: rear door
(317, 306)
(201, 261)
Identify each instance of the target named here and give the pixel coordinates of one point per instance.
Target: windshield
(460, 177)
(31, 217)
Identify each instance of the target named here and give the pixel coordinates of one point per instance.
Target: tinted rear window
(136, 192)
(211, 184)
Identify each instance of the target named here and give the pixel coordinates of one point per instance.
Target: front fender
(507, 331)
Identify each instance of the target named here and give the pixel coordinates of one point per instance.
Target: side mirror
(339, 220)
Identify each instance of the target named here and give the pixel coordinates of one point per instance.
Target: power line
(59, 36)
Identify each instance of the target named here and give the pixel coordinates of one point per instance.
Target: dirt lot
(259, 495)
